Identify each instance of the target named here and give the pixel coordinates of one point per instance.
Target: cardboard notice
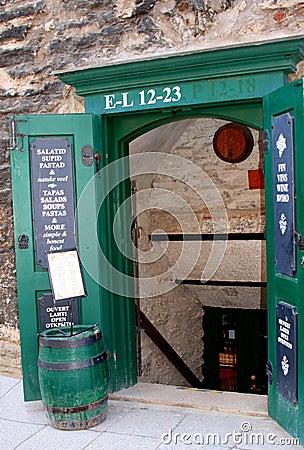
(66, 275)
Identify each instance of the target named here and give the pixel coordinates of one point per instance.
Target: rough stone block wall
(40, 37)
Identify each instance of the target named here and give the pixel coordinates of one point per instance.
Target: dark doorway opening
(235, 350)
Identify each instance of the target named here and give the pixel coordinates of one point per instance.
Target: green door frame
(133, 97)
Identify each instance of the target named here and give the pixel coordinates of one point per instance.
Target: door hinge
(98, 158)
(298, 240)
(266, 141)
(269, 372)
(13, 135)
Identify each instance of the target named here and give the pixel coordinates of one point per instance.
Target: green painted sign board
(184, 94)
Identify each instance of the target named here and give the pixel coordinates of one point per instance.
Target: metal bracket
(269, 372)
(88, 156)
(266, 141)
(298, 240)
(98, 158)
(14, 136)
(23, 240)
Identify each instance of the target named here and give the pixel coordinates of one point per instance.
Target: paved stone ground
(151, 423)
(10, 359)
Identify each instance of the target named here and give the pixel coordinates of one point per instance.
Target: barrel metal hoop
(80, 425)
(69, 343)
(77, 409)
(73, 365)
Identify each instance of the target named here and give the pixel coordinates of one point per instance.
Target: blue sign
(284, 194)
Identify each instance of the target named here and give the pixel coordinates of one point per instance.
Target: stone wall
(40, 37)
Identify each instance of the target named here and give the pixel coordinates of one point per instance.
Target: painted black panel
(283, 187)
(52, 315)
(53, 196)
(287, 356)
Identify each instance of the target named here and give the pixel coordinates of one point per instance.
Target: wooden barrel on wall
(73, 377)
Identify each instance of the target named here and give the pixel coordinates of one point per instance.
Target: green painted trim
(129, 127)
(259, 58)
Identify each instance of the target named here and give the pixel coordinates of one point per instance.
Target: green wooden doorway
(127, 99)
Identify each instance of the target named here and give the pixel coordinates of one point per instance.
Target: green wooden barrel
(73, 377)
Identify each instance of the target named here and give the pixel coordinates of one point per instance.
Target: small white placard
(231, 334)
(65, 275)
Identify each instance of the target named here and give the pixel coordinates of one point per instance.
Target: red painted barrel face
(233, 142)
